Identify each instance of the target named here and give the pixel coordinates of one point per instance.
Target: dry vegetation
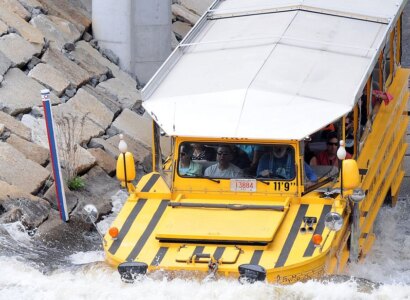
(70, 130)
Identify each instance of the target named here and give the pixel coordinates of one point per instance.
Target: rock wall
(48, 44)
(185, 14)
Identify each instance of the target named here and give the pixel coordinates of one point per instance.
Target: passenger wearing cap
(279, 163)
(328, 157)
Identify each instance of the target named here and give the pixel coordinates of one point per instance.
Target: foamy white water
(388, 264)
(389, 260)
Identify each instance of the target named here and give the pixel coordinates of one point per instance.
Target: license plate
(243, 185)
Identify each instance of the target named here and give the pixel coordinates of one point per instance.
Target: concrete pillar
(138, 31)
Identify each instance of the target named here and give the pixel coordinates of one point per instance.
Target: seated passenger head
(233, 148)
(186, 152)
(349, 122)
(279, 151)
(332, 142)
(197, 146)
(224, 155)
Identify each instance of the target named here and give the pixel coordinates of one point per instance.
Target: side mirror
(350, 173)
(90, 213)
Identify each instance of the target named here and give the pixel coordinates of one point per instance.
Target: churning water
(33, 271)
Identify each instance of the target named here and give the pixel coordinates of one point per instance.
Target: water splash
(83, 275)
(98, 281)
(117, 202)
(389, 259)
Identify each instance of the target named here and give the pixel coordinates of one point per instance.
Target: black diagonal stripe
(256, 257)
(198, 250)
(159, 256)
(319, 230)
(150, 228)
(292, 236)
(150, 183)
(127, 225)
(218, 252)
(133, 214)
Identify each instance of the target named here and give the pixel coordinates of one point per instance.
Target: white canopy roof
(269, 69)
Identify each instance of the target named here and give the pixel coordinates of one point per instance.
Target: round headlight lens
(333, 221)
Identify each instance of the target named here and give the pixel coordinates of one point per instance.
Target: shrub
(76, 183)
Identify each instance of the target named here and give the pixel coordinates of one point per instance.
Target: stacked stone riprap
(185, 14)
(49, 44)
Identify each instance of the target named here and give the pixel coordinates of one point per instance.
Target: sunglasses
(332, 144)
(223, 153)
(183, 153)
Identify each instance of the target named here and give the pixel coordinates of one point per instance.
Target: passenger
(240, 158)
(328, 157)
(308, 153)
(257, 153)
(363, 109)
(327, 130)
(310, 174)
(349, 133)
(224, 168)
(187, 167)
(279, 164)
(379, 96)
(201, 152)
(248, 149)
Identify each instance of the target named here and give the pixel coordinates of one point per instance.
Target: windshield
(320, 155)
(241, 160)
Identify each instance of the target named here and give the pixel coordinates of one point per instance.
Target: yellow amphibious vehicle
(286, 123)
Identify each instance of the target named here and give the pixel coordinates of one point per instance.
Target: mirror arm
(99, 233)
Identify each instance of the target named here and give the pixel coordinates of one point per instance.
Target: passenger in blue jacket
(280, 164)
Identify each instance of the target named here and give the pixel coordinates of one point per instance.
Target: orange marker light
(113, 232)
(317, 239)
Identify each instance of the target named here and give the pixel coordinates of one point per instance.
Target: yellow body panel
(222, 224)
(188, 238)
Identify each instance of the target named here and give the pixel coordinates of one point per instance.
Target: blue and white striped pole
(52, 142)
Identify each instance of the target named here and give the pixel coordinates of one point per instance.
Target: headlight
(333, 221)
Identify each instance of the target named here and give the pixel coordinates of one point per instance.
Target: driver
(277, 164)
(224, 168)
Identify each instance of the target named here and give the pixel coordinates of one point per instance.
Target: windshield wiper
(317, 185)
(263, 181)
(211, 179)
(188, 175)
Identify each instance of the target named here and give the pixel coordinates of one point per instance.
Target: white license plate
(243, 185)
